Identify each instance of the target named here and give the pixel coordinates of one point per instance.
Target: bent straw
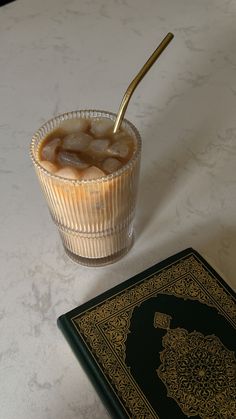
(138, 78)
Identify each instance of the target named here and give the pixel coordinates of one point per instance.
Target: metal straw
(138, 78)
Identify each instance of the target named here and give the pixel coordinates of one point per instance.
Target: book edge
(105, 392)
(215, 273)
(130, 281)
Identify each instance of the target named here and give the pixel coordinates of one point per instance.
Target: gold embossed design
(187, 279)
(107, 340)
(199, 374)
(114, 329)
(162, 320)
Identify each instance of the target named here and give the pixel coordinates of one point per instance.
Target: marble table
(60, 55)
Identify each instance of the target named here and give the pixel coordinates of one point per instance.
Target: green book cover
(162, 343)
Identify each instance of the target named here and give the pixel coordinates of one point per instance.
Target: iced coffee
(89, 176)
(86, 149)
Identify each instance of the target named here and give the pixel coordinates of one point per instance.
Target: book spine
(87, 362)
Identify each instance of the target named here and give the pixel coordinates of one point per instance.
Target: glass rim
(64, 116)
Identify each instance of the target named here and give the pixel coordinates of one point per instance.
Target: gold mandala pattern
(105, 326)
(199, 373)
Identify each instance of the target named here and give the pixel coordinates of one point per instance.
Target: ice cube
(111, 165)
(119, 149)
(92, 172)
(77, 141)
(49, 166)
(68, 158)
(121, 134)
(74, 125)
(101, 127)
(49, 150)
(68, 173)
(99, 146)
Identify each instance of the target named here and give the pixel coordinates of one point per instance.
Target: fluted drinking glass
(94, 217)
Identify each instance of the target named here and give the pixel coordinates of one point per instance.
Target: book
(162, 343)
(4, 2)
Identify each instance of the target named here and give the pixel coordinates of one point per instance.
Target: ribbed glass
(94, 217)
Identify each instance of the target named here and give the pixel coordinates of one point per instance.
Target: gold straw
(138, 78)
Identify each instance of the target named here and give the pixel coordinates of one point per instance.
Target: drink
(89, 177)
(85, 149)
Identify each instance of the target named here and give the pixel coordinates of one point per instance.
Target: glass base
(96, 262)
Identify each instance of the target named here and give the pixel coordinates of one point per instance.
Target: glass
(94, 217)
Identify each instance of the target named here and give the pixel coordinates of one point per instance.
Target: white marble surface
(60, 55)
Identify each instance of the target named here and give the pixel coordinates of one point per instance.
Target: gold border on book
(186, 278)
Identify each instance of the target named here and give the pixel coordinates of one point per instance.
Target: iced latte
(89, 177)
